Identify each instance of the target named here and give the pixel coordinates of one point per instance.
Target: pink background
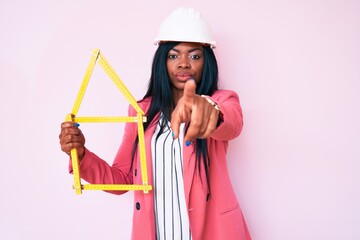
(295, 65)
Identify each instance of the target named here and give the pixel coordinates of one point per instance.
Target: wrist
(214, 104)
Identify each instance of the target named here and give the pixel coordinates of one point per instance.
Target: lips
(183, 76)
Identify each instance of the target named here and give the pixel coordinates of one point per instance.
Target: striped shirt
(171, 217)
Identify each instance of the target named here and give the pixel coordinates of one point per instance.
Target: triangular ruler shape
(98, 57)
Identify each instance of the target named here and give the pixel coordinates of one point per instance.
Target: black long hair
(159, 89)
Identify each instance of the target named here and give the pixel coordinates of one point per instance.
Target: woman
(190, 122)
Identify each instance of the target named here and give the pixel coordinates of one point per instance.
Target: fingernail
(76, 124)
(173, 135)
(187, 143)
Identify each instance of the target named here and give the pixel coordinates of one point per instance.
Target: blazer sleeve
(229, 104)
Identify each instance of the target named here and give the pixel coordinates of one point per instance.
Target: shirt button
(138, 206)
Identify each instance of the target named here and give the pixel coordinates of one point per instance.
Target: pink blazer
(217, 217)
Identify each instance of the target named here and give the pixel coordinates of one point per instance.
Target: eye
(172, 56)
(194, 56)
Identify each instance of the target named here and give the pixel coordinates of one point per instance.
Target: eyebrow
(191, 50)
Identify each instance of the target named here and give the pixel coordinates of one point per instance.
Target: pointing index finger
(189, 91)
(182, 112)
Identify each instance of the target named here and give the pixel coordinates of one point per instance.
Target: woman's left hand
(196, 110)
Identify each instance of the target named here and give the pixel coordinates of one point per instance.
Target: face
(184, 62)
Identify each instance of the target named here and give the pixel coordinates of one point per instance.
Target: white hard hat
(185, 25)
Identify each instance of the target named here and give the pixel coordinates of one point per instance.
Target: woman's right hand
(71, 137)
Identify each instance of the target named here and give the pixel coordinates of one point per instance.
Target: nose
(184, 63)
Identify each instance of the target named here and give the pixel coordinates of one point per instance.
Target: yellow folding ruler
(97, 56)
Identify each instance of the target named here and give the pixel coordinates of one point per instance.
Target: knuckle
(196, 123)
(65, 131)
(211, 128)
(69, 137)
